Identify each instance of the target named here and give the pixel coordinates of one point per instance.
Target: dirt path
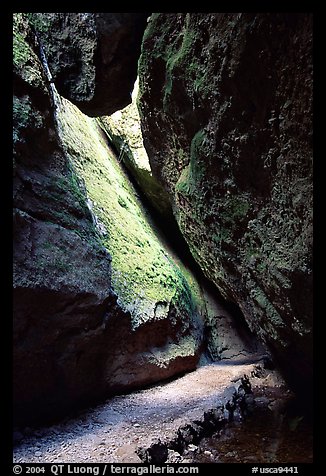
(111, 432)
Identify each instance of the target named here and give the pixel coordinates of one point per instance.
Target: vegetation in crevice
(21, 50)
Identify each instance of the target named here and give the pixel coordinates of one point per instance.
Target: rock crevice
(101, 304)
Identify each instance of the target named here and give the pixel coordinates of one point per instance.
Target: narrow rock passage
(113, 431)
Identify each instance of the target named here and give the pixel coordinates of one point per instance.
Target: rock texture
(173, 412)
(100, 303)
(225, 103)
(57, 304)
(89, 54)
(124, 133)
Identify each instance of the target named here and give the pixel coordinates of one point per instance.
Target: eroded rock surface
(100, 303)
(225, 103)
(124, 133)
(92, 56)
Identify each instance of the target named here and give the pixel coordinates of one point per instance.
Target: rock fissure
(155, 237)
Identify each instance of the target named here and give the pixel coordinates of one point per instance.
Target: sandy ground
(111, 432)
(277, 430)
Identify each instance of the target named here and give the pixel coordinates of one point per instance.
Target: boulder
(92, 56)
(100, 305)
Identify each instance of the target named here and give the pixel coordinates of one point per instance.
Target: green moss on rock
(193, 173)
(225, 102)
(234, 210)
(124, 132)
(24, 116)
(39, 22)
(142, 271)
(102, 325)
(25, 55)
(21, 50)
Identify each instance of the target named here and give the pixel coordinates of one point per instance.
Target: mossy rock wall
(225, 104)
(100, 306)
(124, 133)
(101, 303)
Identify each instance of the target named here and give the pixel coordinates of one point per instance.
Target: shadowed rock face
(92, 56)
(101, 304)
(225, 103)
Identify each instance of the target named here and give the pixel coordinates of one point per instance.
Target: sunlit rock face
(225, 103)
(102, 304)
(92, 56)
(124, 132)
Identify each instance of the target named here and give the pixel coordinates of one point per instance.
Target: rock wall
(101, 305)
(90, 53)
(226, 110)
(124, 132)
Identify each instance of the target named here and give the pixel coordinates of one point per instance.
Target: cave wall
(226, 111)
(101, 304)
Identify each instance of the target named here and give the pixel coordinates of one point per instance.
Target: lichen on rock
(225, 104)
(100, 305)
(90, 53)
